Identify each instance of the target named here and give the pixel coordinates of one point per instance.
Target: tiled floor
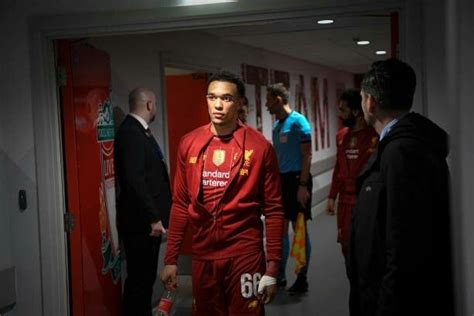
(328, 285)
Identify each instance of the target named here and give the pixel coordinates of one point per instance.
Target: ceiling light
(327, 21)
(381, 52)
(183, 3)
(363, 43)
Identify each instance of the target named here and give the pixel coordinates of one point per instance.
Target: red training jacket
(236, 227)
(361, 144)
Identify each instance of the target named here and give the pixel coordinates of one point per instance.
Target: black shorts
(290, 183)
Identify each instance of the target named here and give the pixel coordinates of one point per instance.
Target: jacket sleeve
(132, 153)
(335, 179)
(272, 207)
(179, 209)
(335, 185)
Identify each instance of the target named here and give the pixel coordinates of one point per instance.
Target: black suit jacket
(144, 185)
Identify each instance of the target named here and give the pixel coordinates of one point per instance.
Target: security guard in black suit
(144, 200)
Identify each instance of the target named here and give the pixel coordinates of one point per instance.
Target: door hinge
(61, 76)
(69, 222)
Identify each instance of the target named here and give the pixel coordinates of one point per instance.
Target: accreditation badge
(218, 157)
(283, 138)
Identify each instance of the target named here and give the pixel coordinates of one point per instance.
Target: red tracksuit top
(360, 144)
(236, 227)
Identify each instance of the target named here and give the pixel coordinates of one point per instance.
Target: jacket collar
(140, 120)
(204, 135)
(202, 138)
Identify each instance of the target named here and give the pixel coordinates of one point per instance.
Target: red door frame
(72, 182)
(87, 121)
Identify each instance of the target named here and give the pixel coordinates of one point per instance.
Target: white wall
(440, 46)
(438, 101)
(464, 150)
(460, 92)
(5, 258)
(21, 246)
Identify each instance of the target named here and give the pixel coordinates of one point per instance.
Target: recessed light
(381, 52)
(326, 21)
(363, 43)
(184, 3)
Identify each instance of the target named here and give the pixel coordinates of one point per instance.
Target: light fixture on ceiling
(184, 3)
(326, 21)
(362, 42)
(381, 52)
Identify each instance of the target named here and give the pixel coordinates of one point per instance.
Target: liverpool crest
(218, 157)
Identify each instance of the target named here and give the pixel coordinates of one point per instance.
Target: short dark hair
(352, 98)
(279, 90)
(227, 76)
(392, 83)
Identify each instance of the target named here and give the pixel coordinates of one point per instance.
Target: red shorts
(228, 286)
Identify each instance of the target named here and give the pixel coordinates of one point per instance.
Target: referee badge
(283, 138)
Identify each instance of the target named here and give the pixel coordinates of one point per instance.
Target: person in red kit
(355, 144)
(226, 178)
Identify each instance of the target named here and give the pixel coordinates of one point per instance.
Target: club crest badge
(353, 142)
(247, 157)
(248, 154)
(110, 241)
(218, 157)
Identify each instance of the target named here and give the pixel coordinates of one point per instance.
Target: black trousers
(290, 182)
(141, 253)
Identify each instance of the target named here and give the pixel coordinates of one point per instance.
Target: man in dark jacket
(400, 248)
(144, 201)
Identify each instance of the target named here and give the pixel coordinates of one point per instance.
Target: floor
(328, 285)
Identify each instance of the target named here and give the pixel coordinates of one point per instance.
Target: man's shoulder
(402, 149)
(297, 116)
(196, 133)
(341, 133)
(254, 135)
(298, 119)
(129, 127)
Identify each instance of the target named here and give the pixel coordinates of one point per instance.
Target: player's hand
(330, 207)
(168, 277)
(302, 195)
(267, 289)
(157, 229)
